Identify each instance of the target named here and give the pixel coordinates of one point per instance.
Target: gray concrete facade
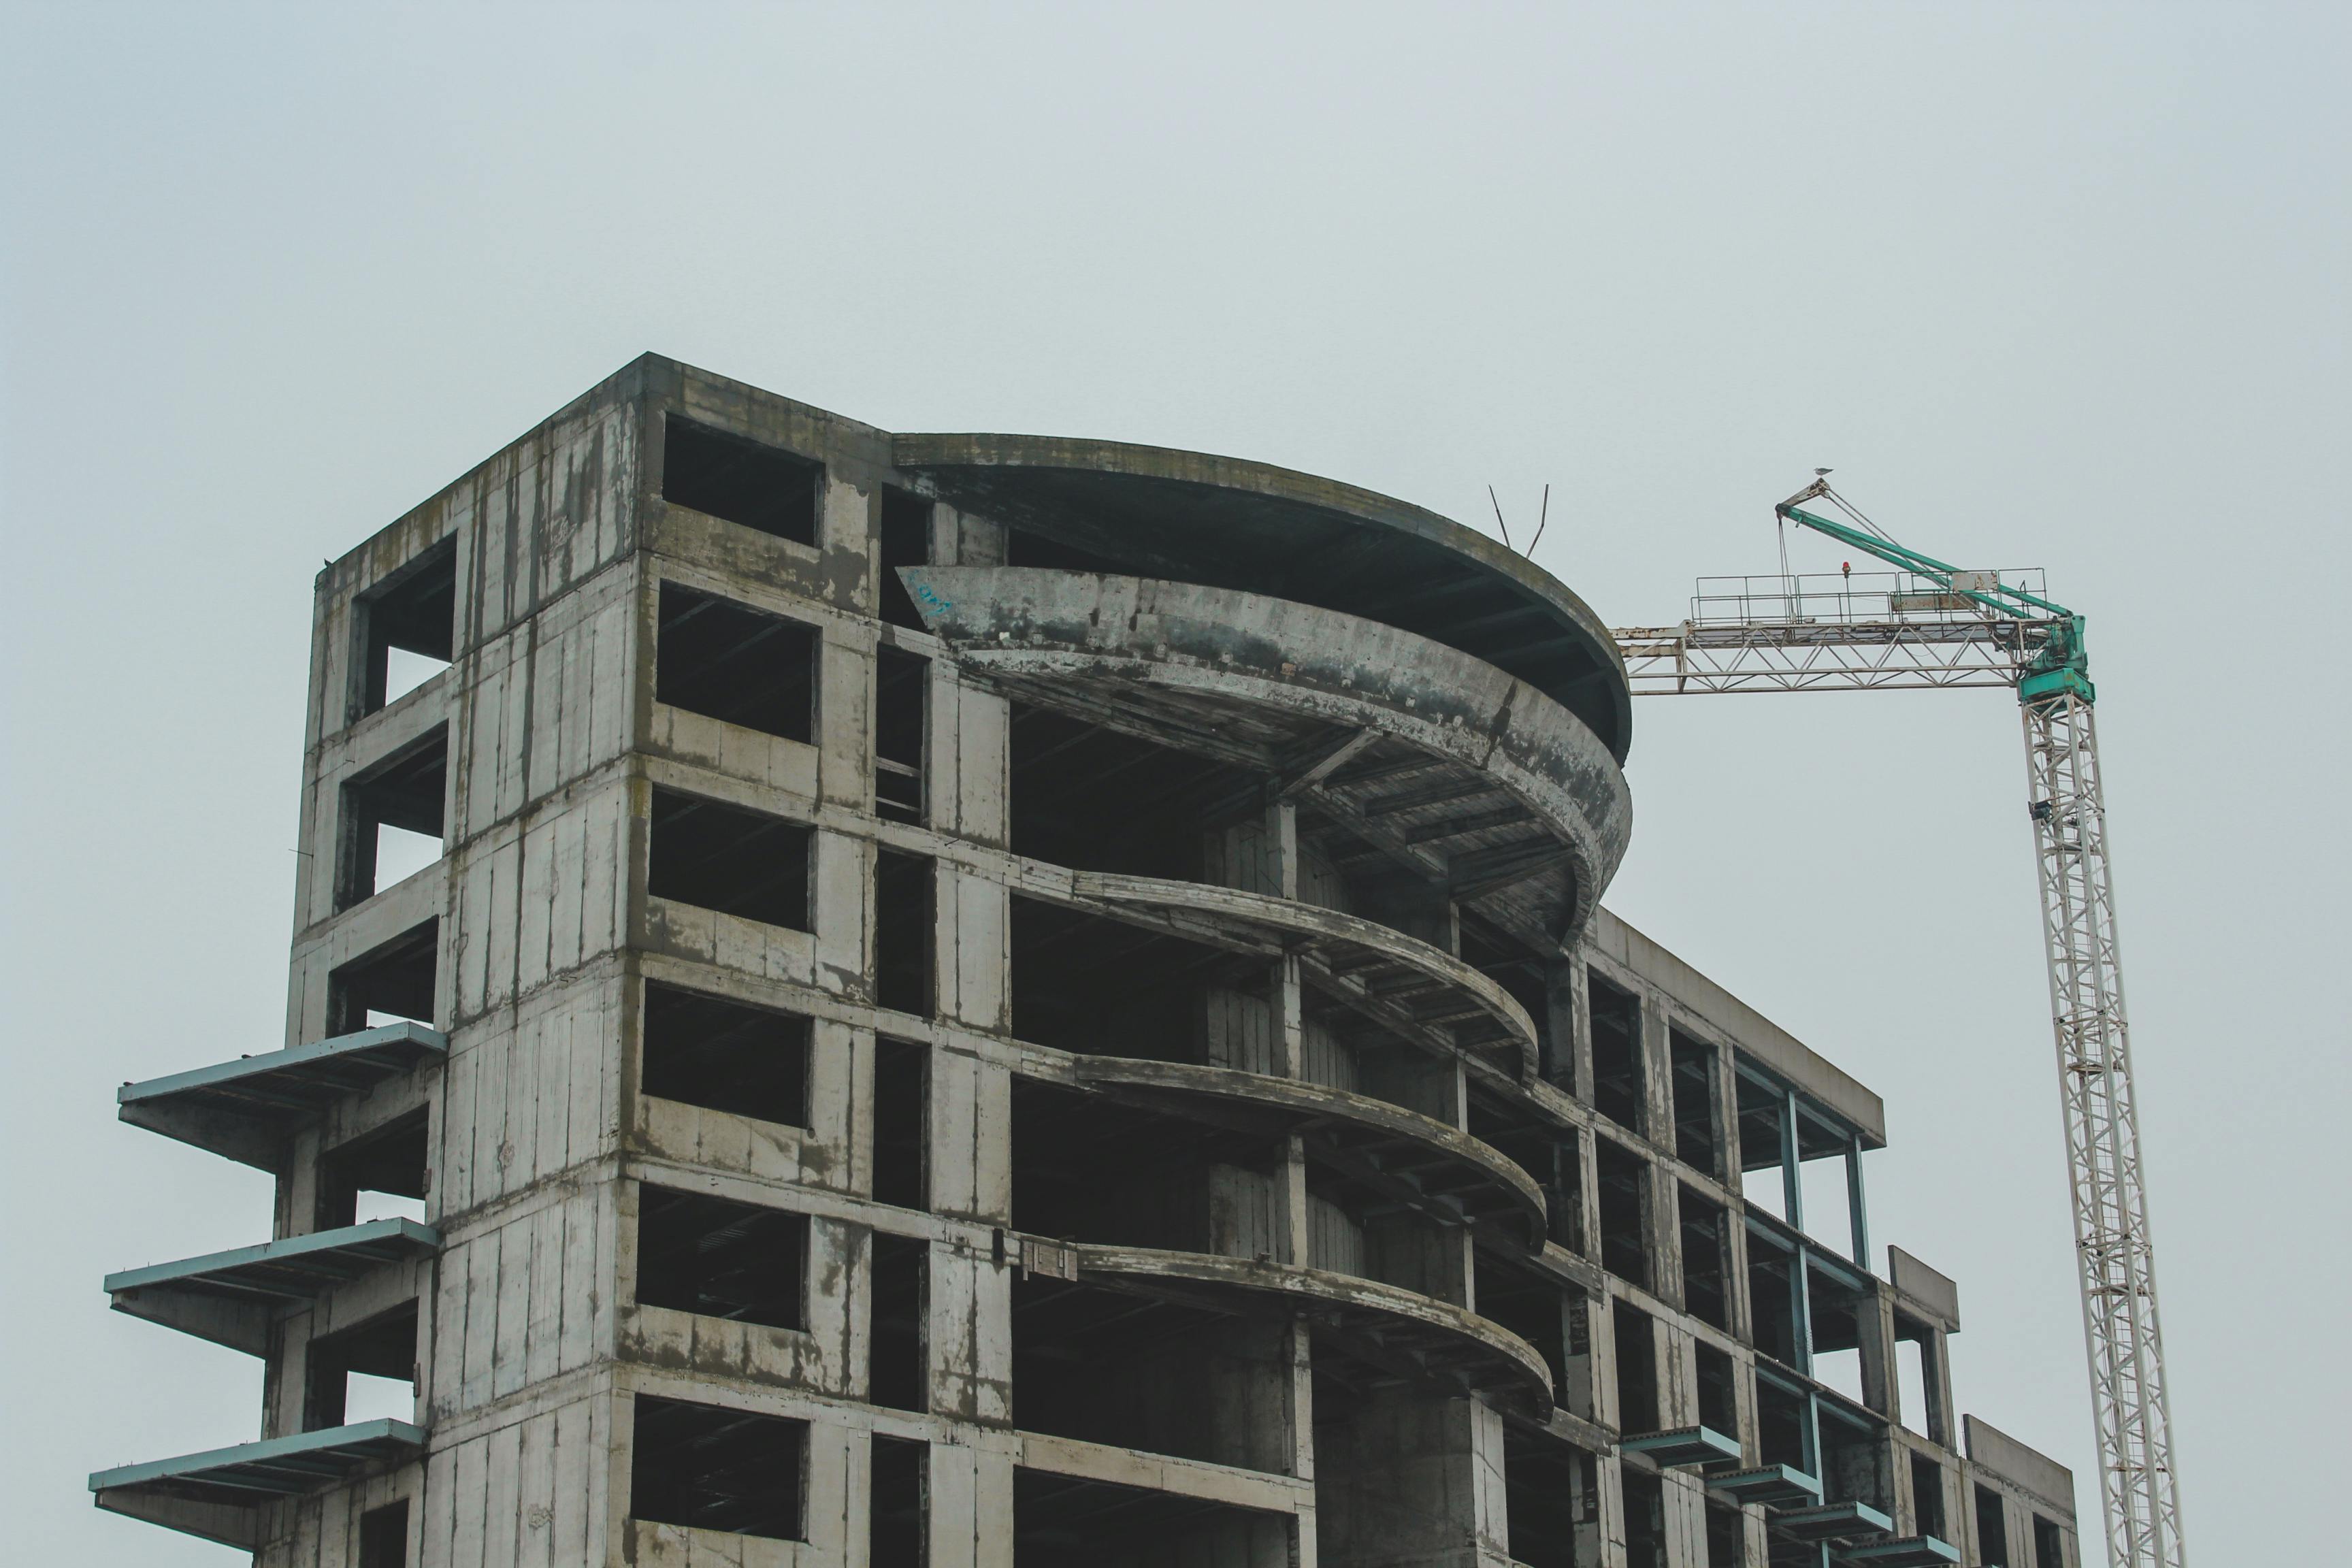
(991, 1001)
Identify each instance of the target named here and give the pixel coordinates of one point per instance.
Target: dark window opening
(1698, 1143)
(1547, 1487)
(706, 1467)
(733, 663)
(1617, 1077)
(2049, 1544)
(387, 985)
(1928, 1495)
(1625, 1183)
(739, 481)
(1547, 1154)
(902, 686)
(379, 1176)
(1771, 1309)
(1835, 1310)
(407, 628)
(1780, 1427)
(1530, 1305)
(905, 541)
(1062, 1522)
(382, 1348)
(1101, 800)
(1082, 982)
(1087, 1168)
(1705, 1258)
(1523, 973)
(897, 1527)
(724, 858)
(1853, 1460)
(1637, 1369)
(392, 819)
(1726, 1535)
(1718, 1402)
(383, 1536)
(1993, 1528)
(899, 1376)
(905, 919)
(1646, 1518)
(902, 1089)
(726, 1056)
(718, 1258)
(1918, 1376)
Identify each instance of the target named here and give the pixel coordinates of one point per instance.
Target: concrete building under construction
(999, 1002)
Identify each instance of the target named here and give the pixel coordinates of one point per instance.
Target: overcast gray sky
(2048, 284)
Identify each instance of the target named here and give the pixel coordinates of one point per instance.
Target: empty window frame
(1548, 1493)
(2049, 1544)
(405, 628)
(1784, 1424)
(383, 1536)
(1718, 1398)
(733, 663)
(729, 859)
(1706, 1257)
(1624, 1188)
(1772, 1310)
(379, 1176)
(905, 541)
(1646, 1518)
(707, 1467)
(1698, 1139)
(392, 819)
(1066, 1522)
(897, 1528)
(902, 1093)
(899, 1375)
(1617, 1076)
(902, 682)
(1837, 1306)
(905, 905)
(1927, 1497)
(740, 480)
(1854, 1453)
(1918, 1379)
(720, 1259)
(1637, 1368)
(386, 985)
(363, 1372)
(1726, 1535)
(725, 1056)
(1993, 1528)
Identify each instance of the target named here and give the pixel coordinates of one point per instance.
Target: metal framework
(1928, 625)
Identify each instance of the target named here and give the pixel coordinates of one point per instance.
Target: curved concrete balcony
(1416, 1336)
(1413, 1160)
(1477, 781)
(1398, 980)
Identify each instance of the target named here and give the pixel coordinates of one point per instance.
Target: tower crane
(1929, 625)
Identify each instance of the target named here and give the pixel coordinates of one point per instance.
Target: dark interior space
(1761, 1110)
(725, 857)
(406, 791)
(1780, 1428)
(720, 1259)
(2049, 1544)
(1546, 1153)
(905, 541)
(739, 481)
(1061, 1521)
(733, 663)
(1637, 1368)
(1094, 798)
(1927, 1497)
(1085, 983)
(1836, 1310)
(383, 1536)
(726, 1056)
(1854, 1458)
(414, 610)
(386, 983)
(897, 1532)
(1771, 1309)
(1705, 1257)
(1726, 1535)
(707, 1467)
(1546, 1486)
(1088, 1168)
(1719, 1400)
(904, 903)
(389, 1160)
(1508, 963)
(1992, 1530)
(1624, 1188)
(1531, 1305)
(902, 1090)
(1698, 1143)
(1645, 1519)
(902, 686)
(901, 1303)
(383, 1346)
(1617, 1079)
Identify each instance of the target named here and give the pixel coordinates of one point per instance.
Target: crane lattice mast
(1928, 625)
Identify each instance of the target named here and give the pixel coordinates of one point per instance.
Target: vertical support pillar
(1854, 1201)
(1792, 1184)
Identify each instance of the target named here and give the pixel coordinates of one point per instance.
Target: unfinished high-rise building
(996, 1002)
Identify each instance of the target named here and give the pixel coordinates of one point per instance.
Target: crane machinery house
(870, 999)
